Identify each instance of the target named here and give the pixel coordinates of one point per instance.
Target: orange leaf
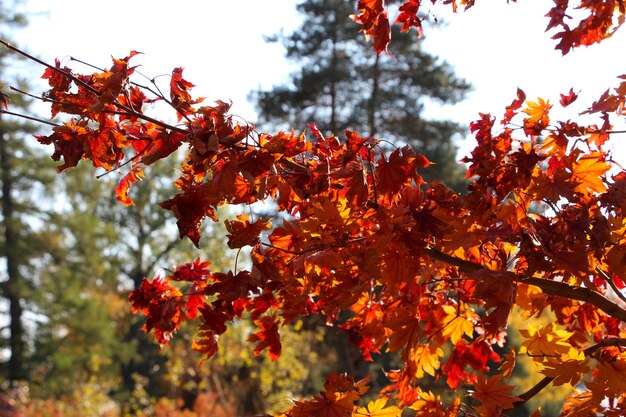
(205, 342)
(121, 190)
(493, 394)
(375, 23)
(336, 401)
(508, 364)
(409, 16)
(377, 409)
(588, 171)
(458, 325)
(538, 112)
(426, 360)
(429, 405)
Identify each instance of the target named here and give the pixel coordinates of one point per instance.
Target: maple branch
(26, 93)
(548, 379)
(130, 112)
(93, 90)
(532, 392)
(34, 119)
(52, 67)
(559, 289)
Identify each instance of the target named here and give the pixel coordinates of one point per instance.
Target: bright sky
(496, 46)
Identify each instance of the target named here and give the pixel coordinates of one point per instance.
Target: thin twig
(86, 63)
(34, 119)
(92, 89)
(122, 165)
(42, 98)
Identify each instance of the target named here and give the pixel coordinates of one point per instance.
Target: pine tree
(78, 341)
(24, 178)
(107, 250)
(344, 84)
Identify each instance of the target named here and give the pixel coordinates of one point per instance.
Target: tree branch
(77, 80)
(35, 119)
(559, 289)
(548, 379)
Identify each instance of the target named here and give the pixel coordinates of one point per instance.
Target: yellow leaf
(538, 111)
(542, 342)
(429, 404)
(425, 360)
(377, 409)
(568, 369)
(458, 325)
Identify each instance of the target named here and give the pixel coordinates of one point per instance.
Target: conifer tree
(344, 84)
(23, 182)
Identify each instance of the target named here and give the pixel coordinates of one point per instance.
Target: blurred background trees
(26, 176)
(343, 84)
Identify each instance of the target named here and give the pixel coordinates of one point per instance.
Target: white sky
(494, 45)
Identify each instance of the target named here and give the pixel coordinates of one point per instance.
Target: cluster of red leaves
(398, 264)
(407, 266)
(601, 18)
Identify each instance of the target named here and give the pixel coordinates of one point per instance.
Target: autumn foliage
(363, 241)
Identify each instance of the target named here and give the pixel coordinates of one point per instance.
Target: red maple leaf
(511, 110)
(569, 98)
(69, 142)
(179, 93)
(267, 336)
(121, 190)
(375, 23)
(190, 208)
(243, 233)
(408, 16)
(194, 272)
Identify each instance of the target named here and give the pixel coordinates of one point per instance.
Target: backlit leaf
(492, 393)
(377, 408)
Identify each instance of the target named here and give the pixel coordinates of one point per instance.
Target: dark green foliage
(24, 178)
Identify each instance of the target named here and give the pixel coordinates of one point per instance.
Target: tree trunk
(12, 292)
(371, 111)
